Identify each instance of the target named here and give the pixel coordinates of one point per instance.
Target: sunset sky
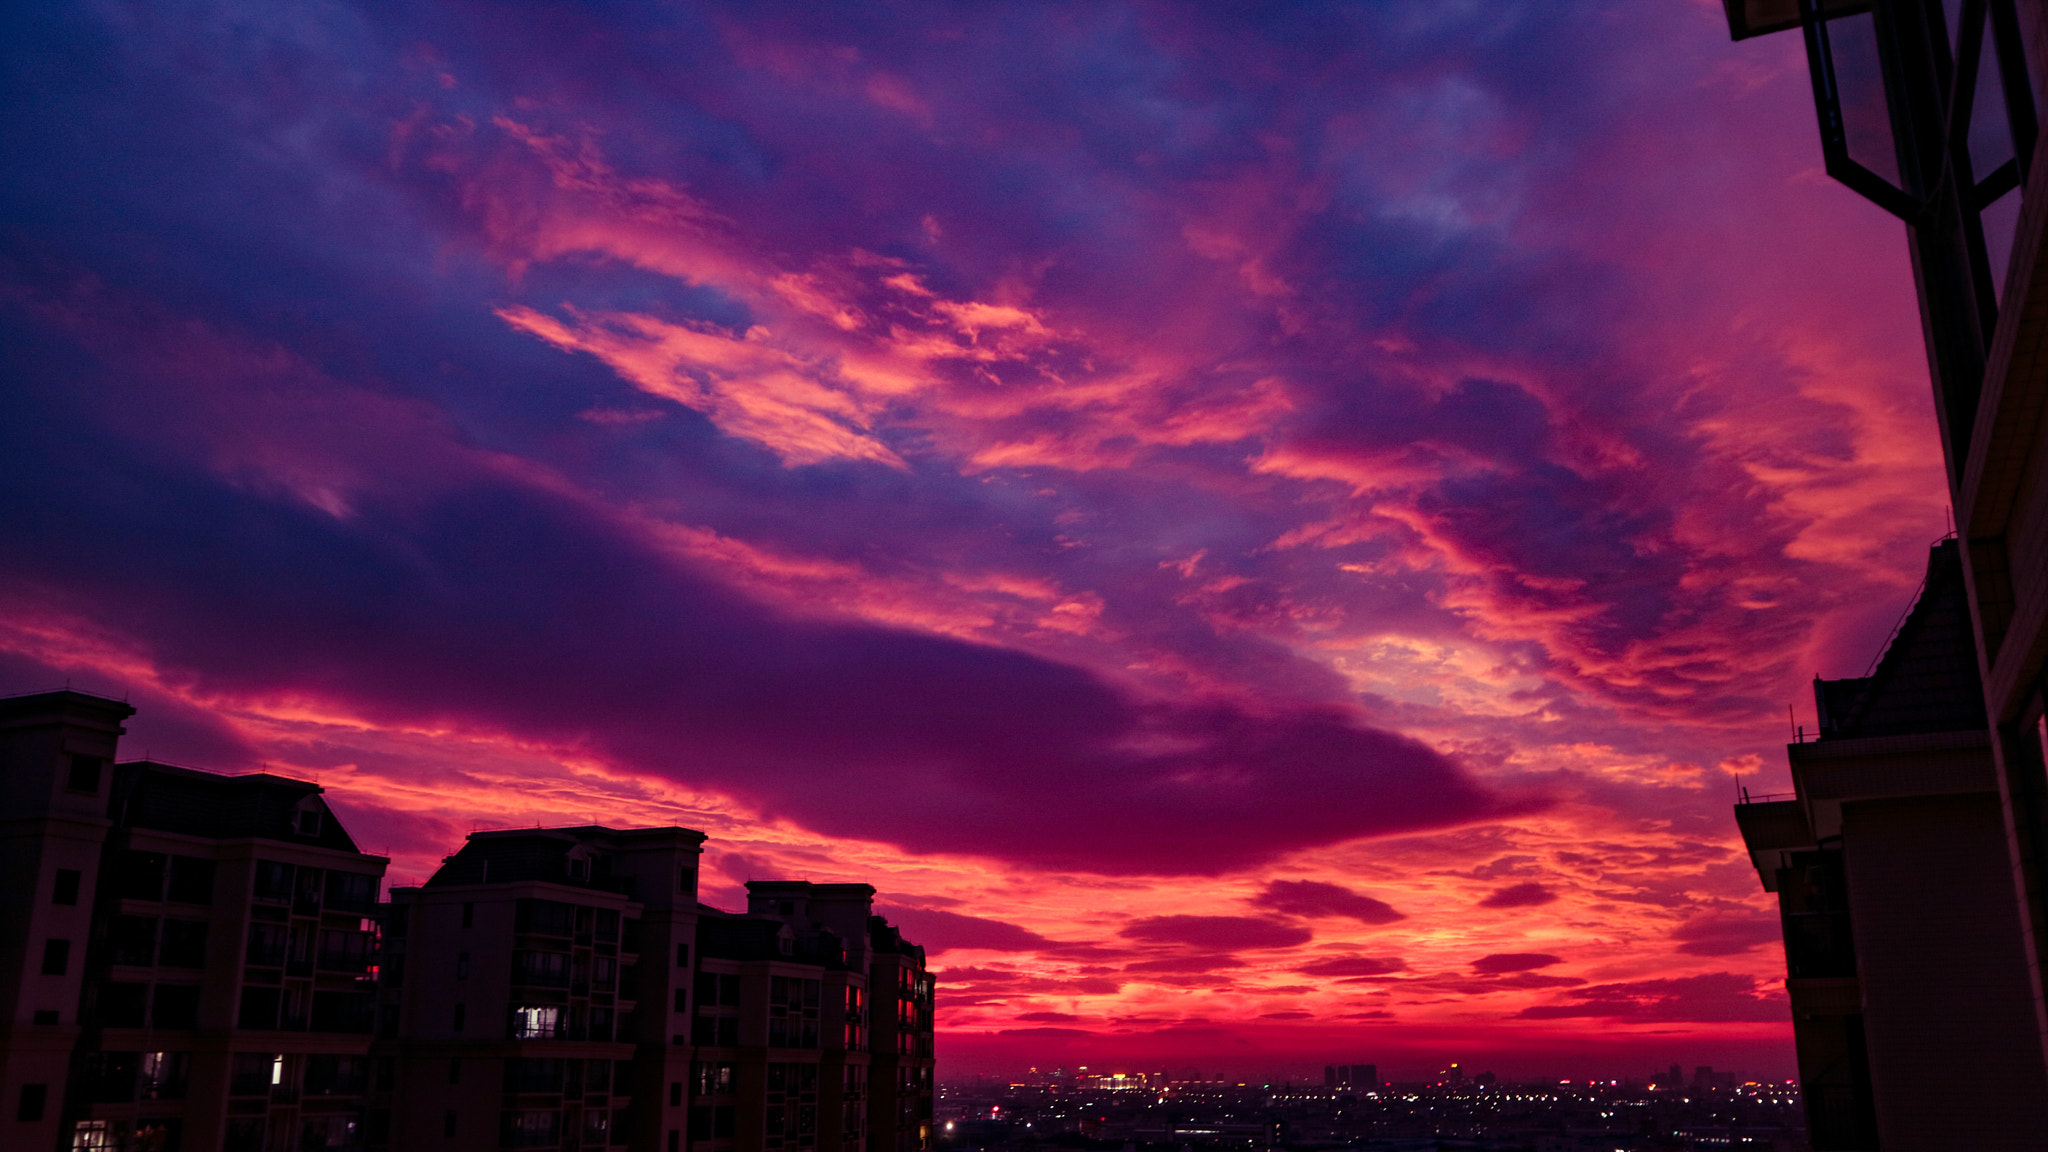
(1268, 532)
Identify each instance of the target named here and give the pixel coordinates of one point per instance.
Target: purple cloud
(1353, 966)
(1725, 935)
(1314, 898)
(1713, 997)
(1222, 933)
(1531, 895)
(1499, 962)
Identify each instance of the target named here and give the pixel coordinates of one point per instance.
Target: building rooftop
(168, 798)
(1927, 679)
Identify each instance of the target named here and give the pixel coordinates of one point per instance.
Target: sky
(1271, 534)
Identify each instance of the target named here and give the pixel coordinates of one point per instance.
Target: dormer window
(309, 822)
(579, 869)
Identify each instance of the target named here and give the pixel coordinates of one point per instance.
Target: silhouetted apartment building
(188, 957)
(196, 962)
(1930, 109)
(563, 988)
(1906, 969)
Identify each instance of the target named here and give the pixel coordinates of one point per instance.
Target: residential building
(1931, 110)
(527, 988)
(194, 962)
(1906, 971)
(199, 962)
(563, 988)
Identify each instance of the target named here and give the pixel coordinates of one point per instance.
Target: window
(675, 1094)
(273, 882)
(536, 1022)
(259, 1009)
(600, 1024)
(67, 887)
(682, 1000)
(46, 1016)
(139, 876)
(33, 1098)
(121, 1004)
(191, 880)
(85, 773)
(56, 957)
(163, 1075)
(343, 951)
(607, 926)
(267, 944)
(448, 1124)
(682, 955)
(329, 1075)
(91, 1136)
(308, 822)
(461, 1015)
(547, 969)
(184, 944)
(109, 1077)
(131, 940)
(532, 1074)
(351, 892)
(468, 921)
(176, 1006)
(249, 1074)
(455, 1069)
(545, 918)
(462, 965)
(244, 1134)
(533, 1128)
(354, 1012)
(604, 971)
(716, 1079)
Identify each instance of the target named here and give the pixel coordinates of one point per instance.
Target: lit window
(536, 1021)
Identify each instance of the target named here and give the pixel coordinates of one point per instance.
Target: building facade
(195, 962)
(1931, 110)
(192, 965)
(1906, 971)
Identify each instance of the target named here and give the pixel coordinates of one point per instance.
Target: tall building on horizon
(199, 962)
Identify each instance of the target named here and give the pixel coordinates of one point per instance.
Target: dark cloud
(1353, 966)
(1500, 962)
(1530, 895)
(1223, 933)
(1048, 1017)
(1725, 935)
(1313, 898)
(939, 930)
(1714, 997)
(1186, 964)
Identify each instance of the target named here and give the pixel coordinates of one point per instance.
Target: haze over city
(1272, 536)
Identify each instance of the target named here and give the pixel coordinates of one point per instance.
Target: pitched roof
(1927, 679)
(169, 798)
